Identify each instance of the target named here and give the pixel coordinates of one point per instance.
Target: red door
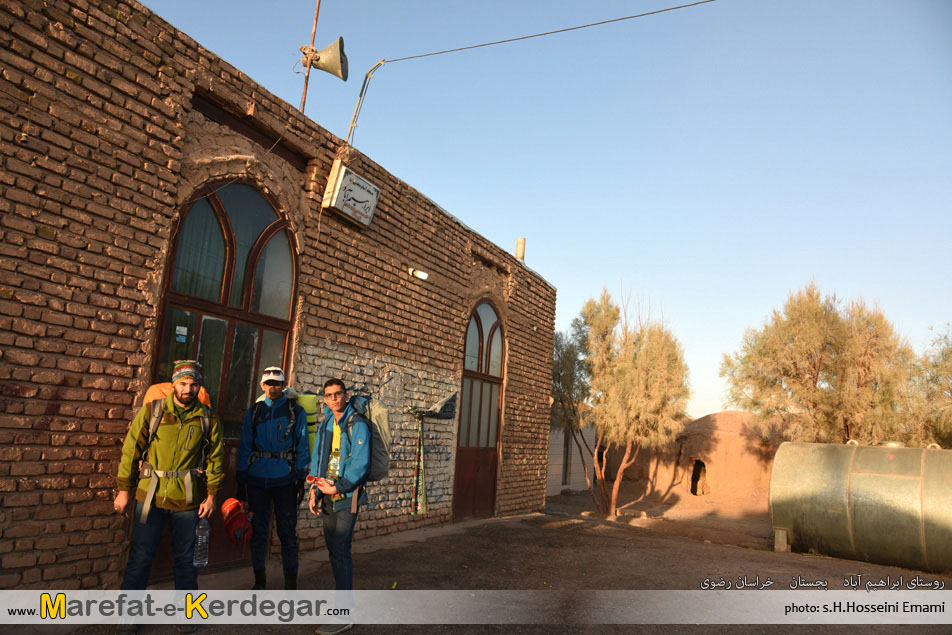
(477, 444)
(475, 487)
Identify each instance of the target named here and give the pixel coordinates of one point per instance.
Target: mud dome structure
(719, 454)
(155, 204)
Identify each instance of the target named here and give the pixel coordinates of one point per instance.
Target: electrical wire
(363, 89)
(565, 30)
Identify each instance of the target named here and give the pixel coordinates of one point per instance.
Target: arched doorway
(477, 444)
(228, 302)
(699, 478)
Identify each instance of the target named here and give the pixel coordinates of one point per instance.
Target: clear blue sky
(706, 161)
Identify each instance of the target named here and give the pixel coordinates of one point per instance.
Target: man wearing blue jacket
(339, 468)
(272, 465)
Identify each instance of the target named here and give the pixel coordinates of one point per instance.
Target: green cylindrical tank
(884, 504)
(309, 401)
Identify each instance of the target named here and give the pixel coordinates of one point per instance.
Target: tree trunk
(598, 462)
(626, 462)
(603, 482)
(581, 455)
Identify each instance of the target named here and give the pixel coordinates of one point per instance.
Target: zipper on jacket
(175, 453)
(172, 465)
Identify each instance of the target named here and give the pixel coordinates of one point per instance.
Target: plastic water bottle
(200, 559)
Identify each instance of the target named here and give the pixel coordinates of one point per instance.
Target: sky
(703, 163)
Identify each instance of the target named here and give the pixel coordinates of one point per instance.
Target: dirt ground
(721, 518)
(568, 547)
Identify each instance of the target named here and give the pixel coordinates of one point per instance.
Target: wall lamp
(416, 273)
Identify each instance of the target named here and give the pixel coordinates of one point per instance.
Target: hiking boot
(290, 581)
(261, 580)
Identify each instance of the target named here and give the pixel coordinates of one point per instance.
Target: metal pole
(307, 71)
(360, 100)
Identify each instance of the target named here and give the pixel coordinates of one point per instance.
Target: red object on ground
(237, 523)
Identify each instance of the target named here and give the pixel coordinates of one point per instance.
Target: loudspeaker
(330, 59)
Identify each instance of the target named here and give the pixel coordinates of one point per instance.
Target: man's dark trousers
(284, 499)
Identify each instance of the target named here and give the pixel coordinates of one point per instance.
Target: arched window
(228, 300)
(482, 379)
(480, 407)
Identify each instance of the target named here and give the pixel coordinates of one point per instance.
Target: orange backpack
(161, 391)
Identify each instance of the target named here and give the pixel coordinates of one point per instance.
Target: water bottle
(200, 559)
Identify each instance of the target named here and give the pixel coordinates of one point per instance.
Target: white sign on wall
(350, 194)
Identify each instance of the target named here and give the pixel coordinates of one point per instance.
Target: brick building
(155, 204)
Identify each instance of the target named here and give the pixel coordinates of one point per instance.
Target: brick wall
(101, 145)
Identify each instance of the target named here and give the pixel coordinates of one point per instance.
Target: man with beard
(173, 450)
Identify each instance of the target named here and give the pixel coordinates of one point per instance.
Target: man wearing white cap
(273, 460)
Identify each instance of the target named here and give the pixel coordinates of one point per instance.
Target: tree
(570, 390)
(927, 398)
(937, 366)
(819, 372)
(570, 374)
(639, 386)
(871, 365)
(600, 320)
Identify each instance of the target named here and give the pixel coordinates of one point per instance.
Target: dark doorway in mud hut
(699, 478)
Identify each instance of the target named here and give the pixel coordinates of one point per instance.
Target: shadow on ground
(566, 550)
(742, 521)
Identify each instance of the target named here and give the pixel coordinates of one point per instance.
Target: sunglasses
(273, 383)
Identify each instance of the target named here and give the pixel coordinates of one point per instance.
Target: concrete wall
(102, 146)
(571, 477)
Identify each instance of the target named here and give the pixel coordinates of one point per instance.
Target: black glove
(300, 491)
(242, 492)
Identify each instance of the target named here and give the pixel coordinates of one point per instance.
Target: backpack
(376, 413)
(289, 455)
(147, 471)
(308, 400)
(164, 389)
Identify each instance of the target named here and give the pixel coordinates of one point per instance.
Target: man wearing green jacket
(178, 468)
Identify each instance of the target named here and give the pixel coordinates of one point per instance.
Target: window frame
(482, 375)
(222, 309)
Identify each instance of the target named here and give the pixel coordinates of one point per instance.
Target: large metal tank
(884, 504)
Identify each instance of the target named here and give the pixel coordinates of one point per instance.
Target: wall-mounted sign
(350, 194)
